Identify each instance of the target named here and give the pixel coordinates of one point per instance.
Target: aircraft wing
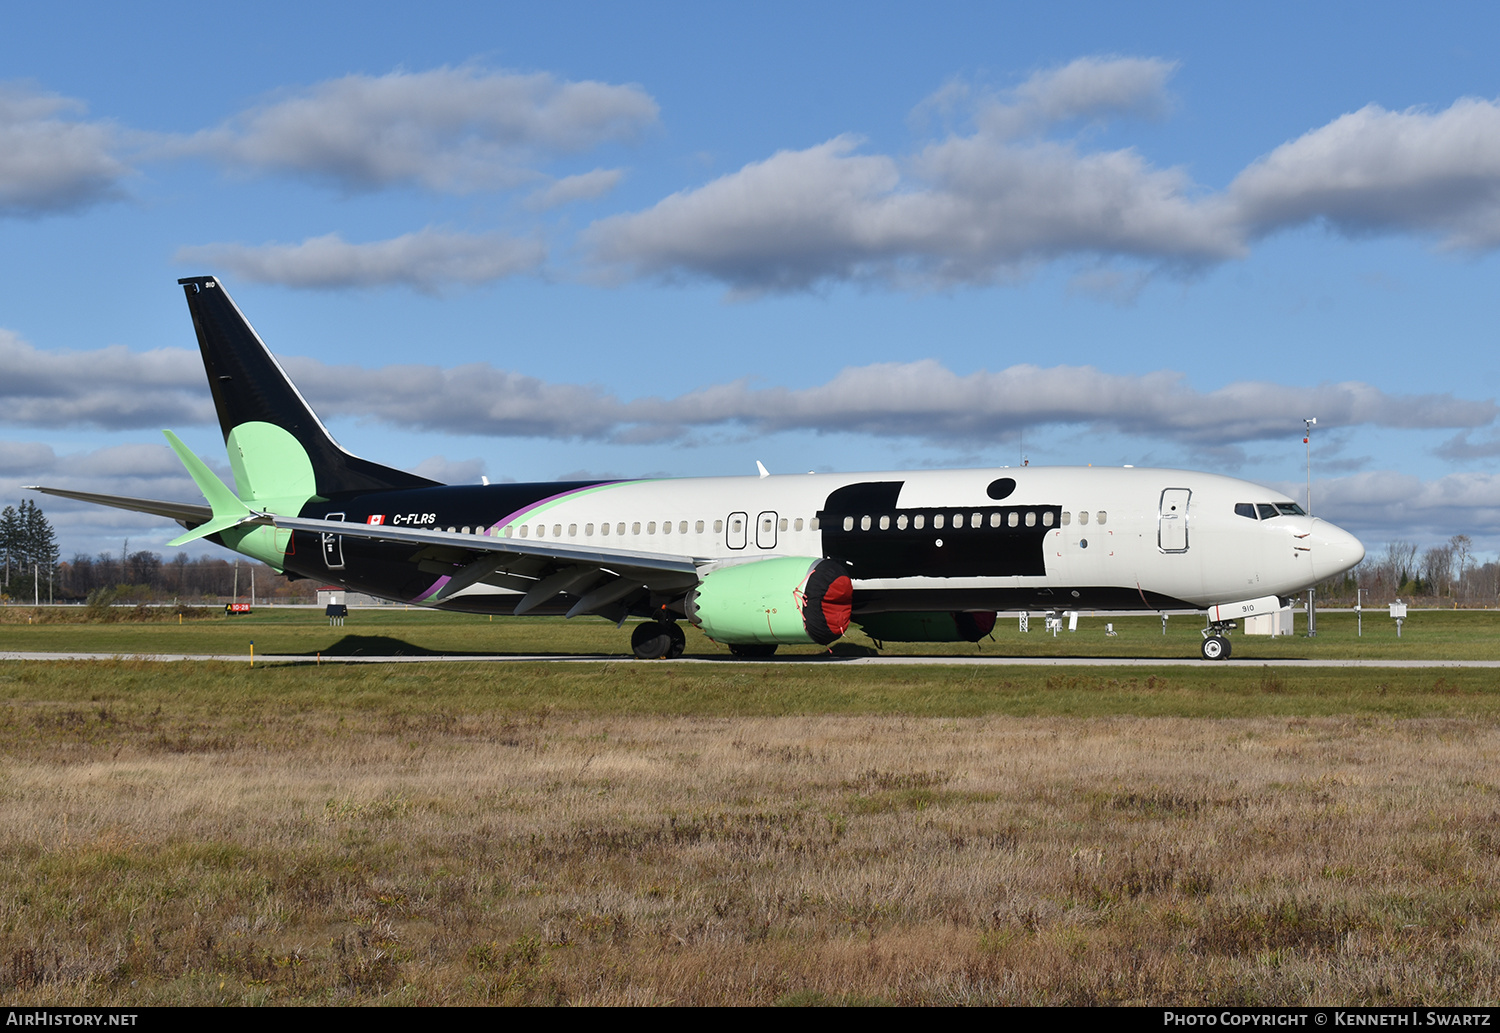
(600, 578)
(185, 513)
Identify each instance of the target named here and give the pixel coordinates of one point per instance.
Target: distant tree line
(1445, 574)
(32, 572)
(28, 547)
(142, 576)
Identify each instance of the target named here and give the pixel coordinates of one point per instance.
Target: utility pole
(1312, 609)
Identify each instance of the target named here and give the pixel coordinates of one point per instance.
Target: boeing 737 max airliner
(753, 562)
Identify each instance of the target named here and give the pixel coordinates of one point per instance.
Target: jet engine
(791, 599)
(959, 626)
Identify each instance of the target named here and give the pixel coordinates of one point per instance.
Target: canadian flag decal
(376, 518)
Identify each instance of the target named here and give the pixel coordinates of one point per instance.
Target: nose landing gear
(1216, 640)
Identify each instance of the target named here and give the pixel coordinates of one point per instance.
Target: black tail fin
(249, 386)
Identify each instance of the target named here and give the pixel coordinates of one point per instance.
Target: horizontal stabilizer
(182, 512)
(228, 510)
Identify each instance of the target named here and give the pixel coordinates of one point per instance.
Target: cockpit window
(1244, 509)
(1290, 509)
(1267, 511)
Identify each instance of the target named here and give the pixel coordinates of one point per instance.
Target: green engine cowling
(786, 600)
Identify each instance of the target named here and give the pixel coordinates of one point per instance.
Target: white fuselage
(1156, 533)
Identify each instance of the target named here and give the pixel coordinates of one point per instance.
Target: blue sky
(533, 241)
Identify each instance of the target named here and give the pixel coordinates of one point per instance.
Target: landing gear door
(1172, 521)
(333, 546)
(735, 531)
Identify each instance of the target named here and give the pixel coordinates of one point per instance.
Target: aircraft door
(1172, 521)
(765, 530)
(735, 530)
(333, 546)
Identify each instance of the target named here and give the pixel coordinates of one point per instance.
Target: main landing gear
(657, 640)
(1216, 640)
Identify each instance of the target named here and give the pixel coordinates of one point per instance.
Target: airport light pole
(1312, 610)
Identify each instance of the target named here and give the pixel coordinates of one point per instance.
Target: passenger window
(465, 530)
(557, 530)
(698, 527)
(1067, 518)
(782, 525)
(813, 524)
(977, 520)
(604, 529)
(507, 532)
(1030, 518)
(666, 527)
(635, 528)
(918, 520)
(1101, 517)
(797, 524)
(995, 519)
(1083, 516)
(885, 523)
(1266, 510)
(1047, 518)
(524, 528)
(651, 527)
(848, 523)
(901, 522)
(937, 521)
(1244, 509)
(588, 530)
(718, 526)
(620, 527)
(682, 526)
(1014, 519)
(864, 523)
(958, 520)
(572, 530)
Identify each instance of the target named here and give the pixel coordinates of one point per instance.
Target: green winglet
(228, 510)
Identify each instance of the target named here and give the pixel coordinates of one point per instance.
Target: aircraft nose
(1335, 550)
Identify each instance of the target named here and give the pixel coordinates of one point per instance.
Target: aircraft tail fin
(279, 450)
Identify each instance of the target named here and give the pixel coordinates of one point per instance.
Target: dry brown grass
(328, 856)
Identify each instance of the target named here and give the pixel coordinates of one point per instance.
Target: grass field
(629, 832)
(1429, 634)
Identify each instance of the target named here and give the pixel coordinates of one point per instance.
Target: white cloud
(1384, 504)
(110, 387)
(113, 387)
(450, 471)
(970, 210)
(51, 164)
(1413, 171)
(583, 187)
(428, 260)
(1461, 446)
(990, 205)
(471, 399)
(1087, 88)
(925, 400)
(453, 130)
